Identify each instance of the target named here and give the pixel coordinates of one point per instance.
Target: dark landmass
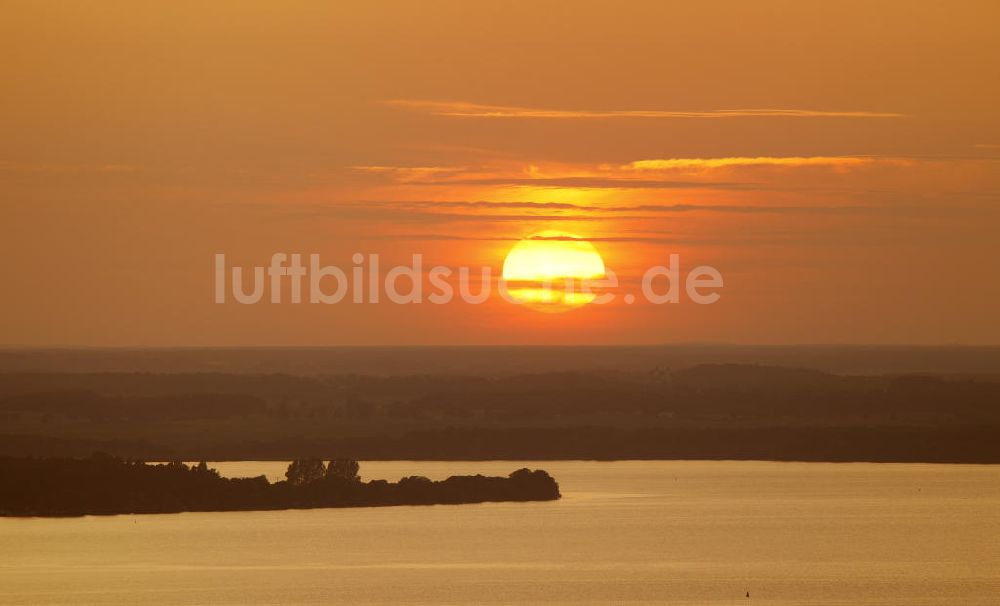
(708, 411)
(104, 485)
(502, 360)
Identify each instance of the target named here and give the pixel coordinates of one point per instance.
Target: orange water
(625, 532)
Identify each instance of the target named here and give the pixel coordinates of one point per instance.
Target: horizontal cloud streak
(429, 213)
(449, 176)
(478, 110)
(642, 208)
(407, 173)
(785, 161)
(638, 174)
(394, 214)
(460, 238)
(591, 183)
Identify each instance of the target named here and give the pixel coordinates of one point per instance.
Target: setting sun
(542, 270)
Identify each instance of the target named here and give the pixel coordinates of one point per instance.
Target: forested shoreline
(104, 485)
(721, 411)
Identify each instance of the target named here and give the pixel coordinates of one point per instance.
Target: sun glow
(542, 271)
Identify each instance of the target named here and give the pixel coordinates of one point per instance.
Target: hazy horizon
(504, 359)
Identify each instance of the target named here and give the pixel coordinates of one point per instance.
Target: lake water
(624, 532)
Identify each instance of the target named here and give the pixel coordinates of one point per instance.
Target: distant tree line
(729, 411)
(104, 484)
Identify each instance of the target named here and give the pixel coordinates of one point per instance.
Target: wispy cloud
(580, 177)
(639, 174)
(784, 161)
(402, 214)
(413, 173)
(463, 238)
(548, 207)
(769, 239)
(487, 212)
(588, 182)
(479, 110)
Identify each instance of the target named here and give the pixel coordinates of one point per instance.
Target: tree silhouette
(343, 468)
(305, 471)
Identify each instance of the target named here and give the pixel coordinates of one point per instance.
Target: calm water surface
(624, 532)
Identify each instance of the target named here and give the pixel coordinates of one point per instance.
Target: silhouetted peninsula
(102, 484)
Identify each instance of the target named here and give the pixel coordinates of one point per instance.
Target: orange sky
(836, 162)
